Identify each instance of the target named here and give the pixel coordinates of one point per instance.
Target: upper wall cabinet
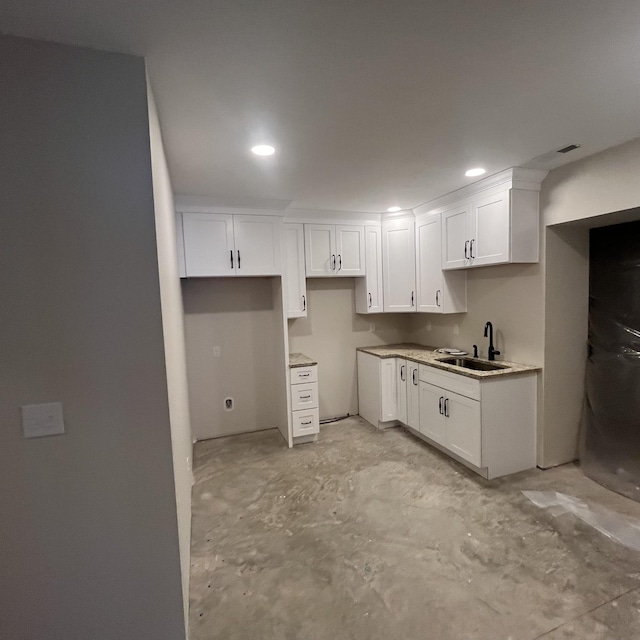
(334, 250)
(368, 291)
(295, 284)
(218, 244)
(438, 291)
(493, 221)
(399, 264)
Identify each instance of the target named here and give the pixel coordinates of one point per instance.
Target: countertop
(426, 355)
(300, 360)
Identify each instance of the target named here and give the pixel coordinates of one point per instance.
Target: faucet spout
(488, 332)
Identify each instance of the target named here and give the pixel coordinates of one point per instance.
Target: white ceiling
(369, 103)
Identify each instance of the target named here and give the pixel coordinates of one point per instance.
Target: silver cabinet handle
(305, 397)
(446, 407)
(231, 254)
(238, 258)
(438, 298)
(402, 373)
(440, 400)
(339, 262)
(413, 377)
(412, 296)
(370, 301)
(471, 249)
(304, 303)
(303, 375)
(306, 424)
(333, 262)
(466, 249)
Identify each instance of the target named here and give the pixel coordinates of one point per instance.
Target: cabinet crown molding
(513, 178)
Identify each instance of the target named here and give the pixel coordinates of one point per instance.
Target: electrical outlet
(216, 352)
(228, 404)
(456, 329)
(372, 326)
(428, 326)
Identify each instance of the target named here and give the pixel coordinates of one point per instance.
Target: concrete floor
(375, 535)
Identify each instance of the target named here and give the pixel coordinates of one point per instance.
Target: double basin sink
(470, 363)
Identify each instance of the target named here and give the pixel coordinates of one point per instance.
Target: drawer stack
(304, 401)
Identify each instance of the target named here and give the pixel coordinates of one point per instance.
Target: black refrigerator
(610, 438)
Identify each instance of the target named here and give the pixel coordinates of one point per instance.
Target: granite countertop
(300, 360)
(426, 355)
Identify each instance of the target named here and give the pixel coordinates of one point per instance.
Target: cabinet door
(295, 284)
(399, 265)
(320, 250)
(350, 257)
(491, 230)
(429, 265)
(258, 241)
(402, 375)
(432, 421)
(413, 397)
(388, 390)
(463, 427)
(455, 237)
(369, 288)
(208, 244)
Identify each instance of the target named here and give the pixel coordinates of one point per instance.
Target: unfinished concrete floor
(374, 535)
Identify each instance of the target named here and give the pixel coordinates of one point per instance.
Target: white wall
(330, 334)
(88, 527)
(239, 315)
(174, 344)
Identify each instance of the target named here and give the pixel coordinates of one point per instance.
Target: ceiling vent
(570, 147)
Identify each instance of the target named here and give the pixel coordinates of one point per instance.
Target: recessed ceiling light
(263, 150)
(472, 173)
(394, 209)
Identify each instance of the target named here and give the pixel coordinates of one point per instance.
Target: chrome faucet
(488, 330)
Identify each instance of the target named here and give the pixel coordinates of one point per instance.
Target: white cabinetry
(438, 291)
(368, 290)
(489, 424)
(334, 250)
(399, 264)
(413, 395)
(493, 221)
(377, 389)
(295, 284)
(305, 415)
(216, 244)
(401, 393)
(494, 229)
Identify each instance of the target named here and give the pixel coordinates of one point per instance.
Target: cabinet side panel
(369, 387)
(524, 225)
(509, 424)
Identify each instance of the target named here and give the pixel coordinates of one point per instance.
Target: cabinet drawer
(301, 375)
(305, 422)
(451, 381)
(304, 396)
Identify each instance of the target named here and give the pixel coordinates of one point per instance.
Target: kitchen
(98, 517)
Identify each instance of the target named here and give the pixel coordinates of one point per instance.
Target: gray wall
(88, 528)
(242, 317)
(174, 344)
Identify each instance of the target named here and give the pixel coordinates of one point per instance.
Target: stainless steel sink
(470, 363)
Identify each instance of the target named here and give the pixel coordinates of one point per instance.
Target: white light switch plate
(42, 420)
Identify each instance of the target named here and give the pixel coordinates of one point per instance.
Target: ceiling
(369, 103)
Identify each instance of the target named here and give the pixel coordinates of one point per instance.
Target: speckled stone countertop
(426, 355)
(300, 360)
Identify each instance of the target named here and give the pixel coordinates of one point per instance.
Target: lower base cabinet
(487, 424)
(305, 415)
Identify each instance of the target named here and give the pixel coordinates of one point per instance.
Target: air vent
(571, 147)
